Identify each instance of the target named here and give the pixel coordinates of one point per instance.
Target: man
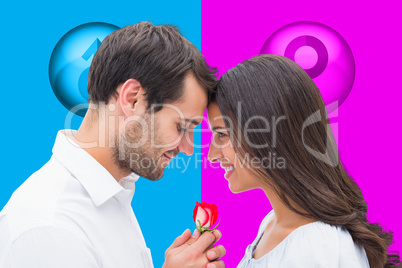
(148, 89)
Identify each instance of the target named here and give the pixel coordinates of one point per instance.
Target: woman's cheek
(229, 153)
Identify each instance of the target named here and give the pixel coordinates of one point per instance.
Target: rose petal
(202, 216)
(214, 215)
(209, 211)
(195, 212)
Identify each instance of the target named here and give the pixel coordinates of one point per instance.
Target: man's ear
(129, 95)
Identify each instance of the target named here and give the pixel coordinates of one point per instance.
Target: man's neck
(96, 144)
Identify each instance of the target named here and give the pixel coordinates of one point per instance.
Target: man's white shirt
(72, 213)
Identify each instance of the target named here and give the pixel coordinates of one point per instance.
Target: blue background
(32, 115)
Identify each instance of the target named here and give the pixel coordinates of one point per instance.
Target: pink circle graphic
(332, 66)
(306, 57)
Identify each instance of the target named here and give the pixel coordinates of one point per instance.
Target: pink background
(368, 121)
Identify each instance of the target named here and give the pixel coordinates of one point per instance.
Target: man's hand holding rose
(198, 250)
(195, 251)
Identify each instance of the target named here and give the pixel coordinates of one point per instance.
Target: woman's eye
(221, 135)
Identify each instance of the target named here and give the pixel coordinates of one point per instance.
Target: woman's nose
(214, 153)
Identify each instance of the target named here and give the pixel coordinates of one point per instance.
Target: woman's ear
(129, 96)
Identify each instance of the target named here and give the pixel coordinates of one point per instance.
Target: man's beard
(143, 160)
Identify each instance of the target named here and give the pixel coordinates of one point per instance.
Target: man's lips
(169, 156)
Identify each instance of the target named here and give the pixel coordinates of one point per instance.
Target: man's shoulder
(34, 203)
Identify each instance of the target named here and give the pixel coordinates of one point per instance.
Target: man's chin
(154, 176)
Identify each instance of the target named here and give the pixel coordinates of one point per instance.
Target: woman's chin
(235, 189)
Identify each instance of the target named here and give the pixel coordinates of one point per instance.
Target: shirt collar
(96, 180)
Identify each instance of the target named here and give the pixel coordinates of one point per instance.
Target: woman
(269, 106)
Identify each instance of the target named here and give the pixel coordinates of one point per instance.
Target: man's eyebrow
(192, 121)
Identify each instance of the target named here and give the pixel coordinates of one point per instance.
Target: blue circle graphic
(70, 61)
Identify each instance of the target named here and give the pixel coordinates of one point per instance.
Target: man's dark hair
(158, 57)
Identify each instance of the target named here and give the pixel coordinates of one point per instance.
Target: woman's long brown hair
(278, 89)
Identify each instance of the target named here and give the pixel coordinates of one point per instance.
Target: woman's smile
(228, 170)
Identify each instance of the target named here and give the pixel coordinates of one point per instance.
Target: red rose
(205, 215)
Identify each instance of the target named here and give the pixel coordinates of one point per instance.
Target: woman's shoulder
(318, 243)
(322, 243)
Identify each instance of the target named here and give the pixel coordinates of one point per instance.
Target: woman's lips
(229, 169)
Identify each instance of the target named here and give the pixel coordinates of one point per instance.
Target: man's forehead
(190, 113)
(194, 98)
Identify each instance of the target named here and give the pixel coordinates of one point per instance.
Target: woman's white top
(314, 245)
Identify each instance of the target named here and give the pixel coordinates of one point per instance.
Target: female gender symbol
(321, 52)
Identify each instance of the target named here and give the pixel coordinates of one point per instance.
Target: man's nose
(186, 145)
